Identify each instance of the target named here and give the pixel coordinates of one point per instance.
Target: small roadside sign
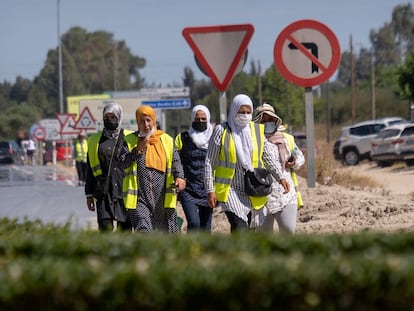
(180, 103)
(219, 49)
(68, 127)
(62, 118)
(307, 53)
(39, 133)
(86, 121)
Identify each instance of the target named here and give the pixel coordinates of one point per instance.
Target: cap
(266, 109)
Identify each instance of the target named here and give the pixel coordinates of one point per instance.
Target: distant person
(81, 156)
(30, 150)
(192, 145)
(153, 176)
(235, 147)
(104, 177)
(280, 206)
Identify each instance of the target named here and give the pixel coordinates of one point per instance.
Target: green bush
(54, 268)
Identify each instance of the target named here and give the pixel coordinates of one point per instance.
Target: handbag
(258, 183)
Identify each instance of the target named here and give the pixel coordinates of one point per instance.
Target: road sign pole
(310, 136)
(223, 107)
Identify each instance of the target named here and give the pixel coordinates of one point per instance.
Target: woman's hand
(90, 204)
(290, 162)
(212, 199)
(285, 185)
(180, 184)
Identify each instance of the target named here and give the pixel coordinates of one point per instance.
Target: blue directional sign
(179, 103)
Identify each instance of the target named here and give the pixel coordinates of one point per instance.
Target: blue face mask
(270, 127)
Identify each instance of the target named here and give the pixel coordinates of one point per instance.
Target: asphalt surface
(47, 193)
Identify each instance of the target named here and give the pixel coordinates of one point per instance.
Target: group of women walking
(136, 178)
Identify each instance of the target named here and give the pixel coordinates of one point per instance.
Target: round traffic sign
(307, 53)
(39, 133)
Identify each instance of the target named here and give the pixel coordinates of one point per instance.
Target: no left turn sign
(307, 53)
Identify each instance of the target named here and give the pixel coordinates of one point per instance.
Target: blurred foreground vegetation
(44, 267)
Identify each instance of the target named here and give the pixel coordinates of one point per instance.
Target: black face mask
(111, 126)
(199, 126)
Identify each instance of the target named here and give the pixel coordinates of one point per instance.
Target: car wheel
(351, 157)
(384, 163)
(409, 162)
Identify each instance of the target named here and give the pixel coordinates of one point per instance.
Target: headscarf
(242, 135)
(155, 154)
(116, 109)
(200, 139)
(277, 137)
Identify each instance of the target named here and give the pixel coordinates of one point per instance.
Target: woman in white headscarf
(192, 146)
(231, 152)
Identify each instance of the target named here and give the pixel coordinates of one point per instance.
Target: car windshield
(408, 131)
(388, 133)
(396, 122)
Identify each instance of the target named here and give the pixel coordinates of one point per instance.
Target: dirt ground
(335, 209)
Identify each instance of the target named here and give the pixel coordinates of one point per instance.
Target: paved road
(47, 193)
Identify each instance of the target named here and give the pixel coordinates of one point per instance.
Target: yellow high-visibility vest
(93, 146)
(224, 170)
(81, 150)
(130, 184)
(291, 142)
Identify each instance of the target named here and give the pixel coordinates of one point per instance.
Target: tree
(16, 118)
(92, 63)
(406, 81)
(403, 26)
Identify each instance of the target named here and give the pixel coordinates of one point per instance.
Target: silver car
(354, 143)
(394, 143)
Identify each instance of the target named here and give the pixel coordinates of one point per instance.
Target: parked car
(394, 143)
(11, 152)
(63, 151)
(300, 140)
(354, 143)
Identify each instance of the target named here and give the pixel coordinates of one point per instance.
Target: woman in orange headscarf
(154, 175)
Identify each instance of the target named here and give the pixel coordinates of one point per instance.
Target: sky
(152, 29)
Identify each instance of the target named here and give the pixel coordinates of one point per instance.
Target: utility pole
(373, 98)
(259, 82)
(352, 81)
(60, 60)
(115, 64)
(328, 114)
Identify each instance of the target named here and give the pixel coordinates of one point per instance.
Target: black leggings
(236, 223)
(108, 225)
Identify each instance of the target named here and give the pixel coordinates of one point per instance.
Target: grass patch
(329, 171)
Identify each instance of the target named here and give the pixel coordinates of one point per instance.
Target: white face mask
(143, 134)
(242, 119)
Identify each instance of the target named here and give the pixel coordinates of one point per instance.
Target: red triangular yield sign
(69, 126)
(219, 49)
(86, 121)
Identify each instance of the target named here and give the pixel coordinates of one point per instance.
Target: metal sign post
(310, 136)
(223, 107)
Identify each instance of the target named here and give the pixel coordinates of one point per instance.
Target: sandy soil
(335, 209)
